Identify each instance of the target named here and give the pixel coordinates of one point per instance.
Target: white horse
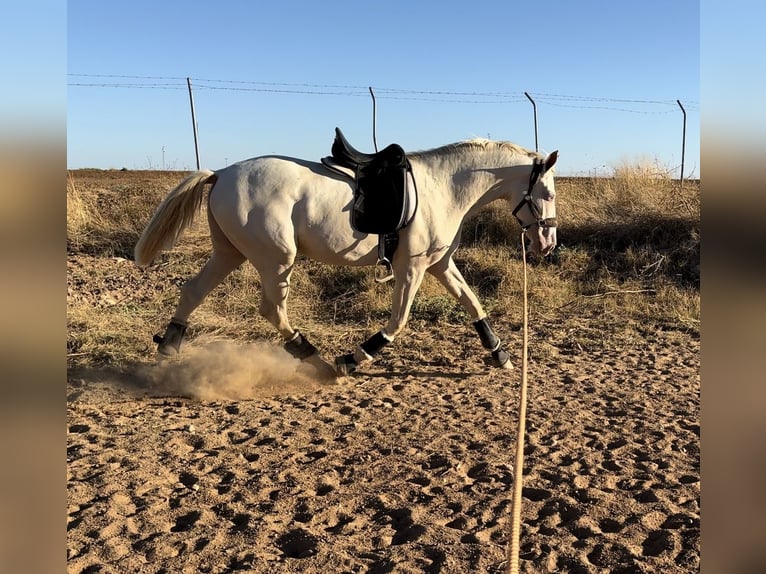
(270, 209)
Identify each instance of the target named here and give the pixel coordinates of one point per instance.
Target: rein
(512, 556)
(537, 170)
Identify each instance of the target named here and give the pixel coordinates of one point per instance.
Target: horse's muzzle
(542, 240)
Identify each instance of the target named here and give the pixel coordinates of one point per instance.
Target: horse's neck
(473, 178)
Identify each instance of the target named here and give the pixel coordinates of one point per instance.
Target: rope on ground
(512, 557)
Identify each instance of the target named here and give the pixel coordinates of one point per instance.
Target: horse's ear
(550, 161)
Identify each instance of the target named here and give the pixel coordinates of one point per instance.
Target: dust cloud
(223, 370)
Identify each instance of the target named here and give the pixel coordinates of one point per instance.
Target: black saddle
(384, 200)
(385, 196)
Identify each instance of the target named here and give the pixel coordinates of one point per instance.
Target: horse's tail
(172, 217)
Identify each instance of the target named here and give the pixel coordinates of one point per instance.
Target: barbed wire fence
(625, 105)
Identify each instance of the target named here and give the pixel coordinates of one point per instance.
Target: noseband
(537, 170)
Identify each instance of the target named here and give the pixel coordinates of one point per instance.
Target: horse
(270, 209)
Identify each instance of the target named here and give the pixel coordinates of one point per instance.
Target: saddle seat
(348, 156)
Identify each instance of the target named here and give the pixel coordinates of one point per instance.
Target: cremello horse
(270, 209)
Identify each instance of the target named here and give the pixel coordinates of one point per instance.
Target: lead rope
(512, 557)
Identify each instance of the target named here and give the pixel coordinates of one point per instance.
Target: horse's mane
(476, 143)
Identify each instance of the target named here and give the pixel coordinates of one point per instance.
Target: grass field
(627, 265)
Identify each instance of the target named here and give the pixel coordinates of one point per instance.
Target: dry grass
(106, 210)
(628, 263)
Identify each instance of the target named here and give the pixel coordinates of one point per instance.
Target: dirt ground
(237, 458)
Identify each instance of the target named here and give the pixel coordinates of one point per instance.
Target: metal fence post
(374, 120)
(194, 120)
(534, 108)
(683, 143)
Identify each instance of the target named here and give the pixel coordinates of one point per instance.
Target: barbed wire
(347, 90)
(611, 108)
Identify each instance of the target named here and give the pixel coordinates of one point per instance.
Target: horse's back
(295, 204)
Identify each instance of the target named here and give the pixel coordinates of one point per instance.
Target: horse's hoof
(508, 365)
(169, 345)
(345, 365)
(502, 359)
(319, 367)
(164, 351)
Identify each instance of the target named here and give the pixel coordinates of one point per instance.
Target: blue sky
(278, 77)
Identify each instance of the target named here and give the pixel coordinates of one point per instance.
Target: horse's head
(536, 212)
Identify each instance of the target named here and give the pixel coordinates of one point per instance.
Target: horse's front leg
(447, 273)
(407, 284)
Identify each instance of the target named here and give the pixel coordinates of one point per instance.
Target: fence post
(683, 143)
(374, 120)
(534, 108)
(194, 120)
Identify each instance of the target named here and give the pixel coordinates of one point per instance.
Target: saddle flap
(384, 203)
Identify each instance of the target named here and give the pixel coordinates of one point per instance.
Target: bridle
(538, 167)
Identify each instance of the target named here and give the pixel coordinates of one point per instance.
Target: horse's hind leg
(224, 259)
(275, 287)
(447, 273)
